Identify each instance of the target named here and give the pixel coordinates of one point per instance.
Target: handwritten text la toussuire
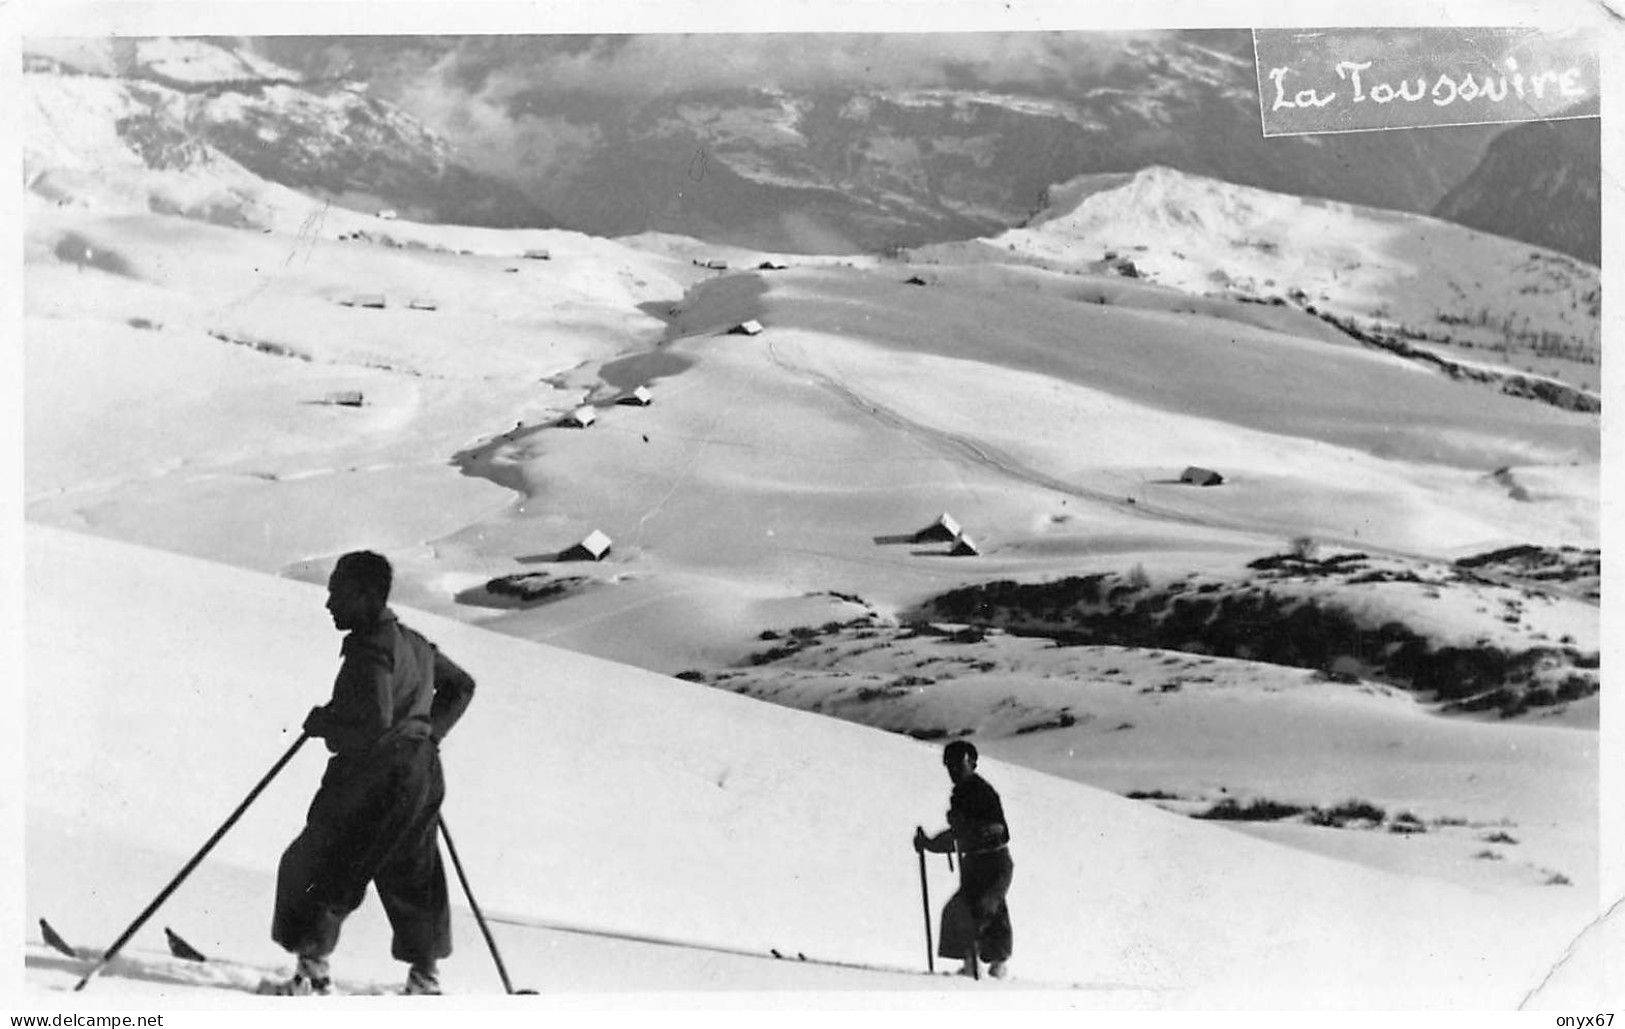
(1444, 91)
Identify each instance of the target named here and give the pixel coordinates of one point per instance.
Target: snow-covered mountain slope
(601, 796)
(208, 364)
(1050, 411)
(1429, 281)
(203, 129)
(174, 61)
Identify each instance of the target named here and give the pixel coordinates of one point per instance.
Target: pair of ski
(183, 949)
(230, 975)
(177, 946)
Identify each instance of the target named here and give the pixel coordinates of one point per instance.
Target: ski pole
(925, 905)
(197, 858)
(490, 941)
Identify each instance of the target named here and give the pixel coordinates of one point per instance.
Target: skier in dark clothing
(374, 817)
(975, 921)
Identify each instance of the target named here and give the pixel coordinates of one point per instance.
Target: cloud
(528, 107)
(630, 67)
(524, 148)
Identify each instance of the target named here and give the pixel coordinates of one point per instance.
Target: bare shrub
(1261, 810)
(1346, 812)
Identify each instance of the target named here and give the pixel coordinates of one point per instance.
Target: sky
(652, 64)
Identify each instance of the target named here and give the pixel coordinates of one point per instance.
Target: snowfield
(1324, 736)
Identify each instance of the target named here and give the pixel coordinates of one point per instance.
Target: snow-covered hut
(1195, 476)
(581, 417)
(593, 548)
(964, 546)
(944, 529)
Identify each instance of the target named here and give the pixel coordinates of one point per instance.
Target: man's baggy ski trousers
(977, 913)
(372, 821)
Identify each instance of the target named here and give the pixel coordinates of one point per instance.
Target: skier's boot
(310, 979)
(997, 970)
(972, 968)
(973, 964)
(423, 980)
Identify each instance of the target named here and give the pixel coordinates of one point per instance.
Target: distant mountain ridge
(862, 168)
(835, 170)
(176, 105)
(1541, 183)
